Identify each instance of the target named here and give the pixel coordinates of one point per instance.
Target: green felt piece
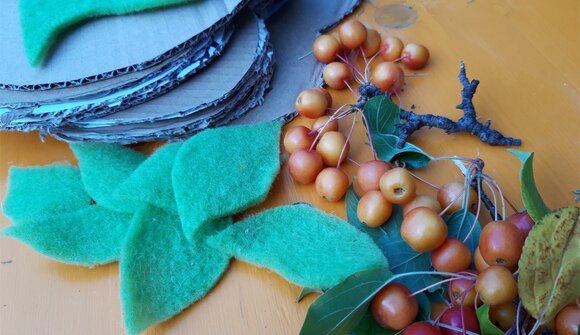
(304, 245)
(89, 236)
(222, 171)
(103, 168)
(43, 21)
(151, 181)
(161, 271)
(39, 192)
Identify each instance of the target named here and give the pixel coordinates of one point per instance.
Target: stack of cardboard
(165, 74)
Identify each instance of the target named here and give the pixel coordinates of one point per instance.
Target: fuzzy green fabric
(222, 171)
(43, 21)
(303, 244)
(37, 192)
(90, 236)
(161, 271)
(151, 181)
(103, 168)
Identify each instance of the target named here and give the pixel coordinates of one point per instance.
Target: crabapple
(451, 256)
(422, 200)
(388, 77)
(311, 103)
(331, 184)
(496, 285)
(391, 48)
(325, 48)
(414, 56)
(304, 165)
(336, 75)
(373, 209)
(423, 229)
(398, 186)
(330, 147)
(369, 174)
(297, 138)
(352, 33)
(393, 308)
(501, 243)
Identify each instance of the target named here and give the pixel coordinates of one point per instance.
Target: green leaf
(368, 326)
(382, 114)
(213, 177)
(303, 244)
(89, 236)
(485, 325)
(306, 291)
(549, 268)
(411, 155)
(38, 192)
(401, 257)
(161, 271)
(460, 224)
(531, 197)
(103, 168)
(151, 181)
(341, 308)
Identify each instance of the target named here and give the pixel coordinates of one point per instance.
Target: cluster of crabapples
(354, 38)
(492, 281)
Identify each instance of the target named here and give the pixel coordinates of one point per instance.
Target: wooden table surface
(526, 54)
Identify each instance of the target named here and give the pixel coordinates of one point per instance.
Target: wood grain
(526, 54)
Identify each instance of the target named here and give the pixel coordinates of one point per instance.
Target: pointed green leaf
(41, 31)
(401, 257)
(485, 325)
(303, 244)
(549, 268)
(369, 326)
(411, 155)
(213, 178)
(461, 224)
(341, 308)
(89, 236)
(531, 197)
(39, 192)
(161, 271)
(103, 168)
(306, 291)
(382, 115)
(151, 181)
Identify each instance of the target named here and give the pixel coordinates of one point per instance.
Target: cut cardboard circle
(109, 46)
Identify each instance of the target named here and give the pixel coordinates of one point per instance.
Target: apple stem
(476, 214)
(424, 181)
(347, 139)
(364, 118)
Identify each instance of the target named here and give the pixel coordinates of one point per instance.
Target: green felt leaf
(103, 168)
(303, 244)
(401, 257)
(485, 325)
(341, 308)
(43, 21)
(161, 271)
(213, 177)
(39, 192)
(411, 155)
(549, 267)
(151, 181)
(382, 115)
(306, 291)
(460, 224)
(532, 199)
(89, 236)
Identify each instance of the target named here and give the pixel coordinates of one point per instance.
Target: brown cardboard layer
(114, 44)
